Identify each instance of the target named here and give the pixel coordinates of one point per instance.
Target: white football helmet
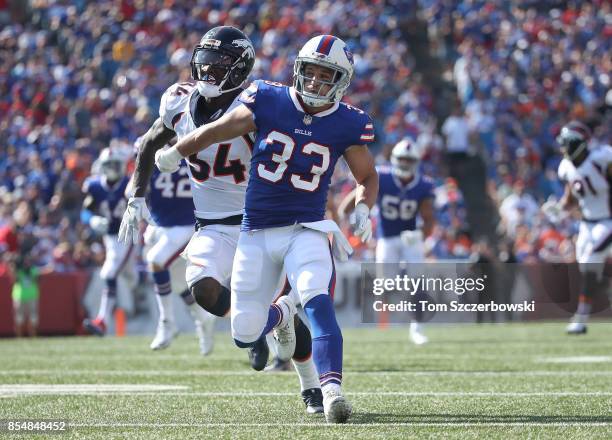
(112, 163)
(327, 51)
(405, 158)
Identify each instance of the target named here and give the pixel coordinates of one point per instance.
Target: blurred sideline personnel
(102, 210)
(168, 232)
(25, 294)
(301, 132)
(404, 197)
(220, 64)
(587, 174)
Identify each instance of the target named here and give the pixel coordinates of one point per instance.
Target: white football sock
(107, 304)
(164, 305)
(309, 378)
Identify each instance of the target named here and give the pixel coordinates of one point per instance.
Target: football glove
(130, 223)
(361, 223)
(412, 238)
(99, 224)
(553, 211)
(169, 160)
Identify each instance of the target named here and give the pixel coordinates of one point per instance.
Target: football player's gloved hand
(99, 224)
(553, 211)
(412, 238)
(130, 223)
(169, 160)
(361, 223)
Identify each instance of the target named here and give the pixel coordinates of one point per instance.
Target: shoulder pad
(563, 169)
(174, 101)
(603, 154)
(89, 183)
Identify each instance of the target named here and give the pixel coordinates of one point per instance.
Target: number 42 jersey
(219, 173)
(170, 200)
(295, 154)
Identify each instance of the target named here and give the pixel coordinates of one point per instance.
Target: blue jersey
(170, 200)
(110, 200)
(295, 154)
(398, 205)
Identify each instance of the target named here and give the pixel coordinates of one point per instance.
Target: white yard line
(137, 390)
(575, 359)
(246, 372)
(79, 389)
(319, 425)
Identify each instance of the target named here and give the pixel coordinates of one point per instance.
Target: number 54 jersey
(219, 173)
(295, 154)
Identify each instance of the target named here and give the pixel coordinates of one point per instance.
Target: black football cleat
(258, 354)
(95, 327)
(313, 399)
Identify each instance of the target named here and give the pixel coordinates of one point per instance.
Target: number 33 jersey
(295, 154)
(589, 183)
(219, 173)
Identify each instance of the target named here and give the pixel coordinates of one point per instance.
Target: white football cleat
(166, 331)
(284, 335)
(205, 329)
(335, 406)
(577, 325)
(416, 334)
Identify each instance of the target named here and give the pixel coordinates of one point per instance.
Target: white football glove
(361, 223)
(412, 238)
(130, 223)
(99, 224)
(169, 160)
(553, 211)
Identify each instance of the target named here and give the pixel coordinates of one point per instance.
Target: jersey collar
(107, 186)
(298, 105)
(410, 184)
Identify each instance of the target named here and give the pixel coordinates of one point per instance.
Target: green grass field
(489, 381)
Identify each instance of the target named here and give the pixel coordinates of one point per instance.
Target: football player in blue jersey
(169, 230)
(221, 63)
(404, 197)
(301, 132)
(102, 210)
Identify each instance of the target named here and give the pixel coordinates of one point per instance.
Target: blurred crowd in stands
(77, 76)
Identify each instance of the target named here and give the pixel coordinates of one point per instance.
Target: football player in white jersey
(169, 230)
(220, 66)
(587, 174)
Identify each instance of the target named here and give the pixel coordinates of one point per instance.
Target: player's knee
(156, 267)
(247, 325)
(206, 293)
